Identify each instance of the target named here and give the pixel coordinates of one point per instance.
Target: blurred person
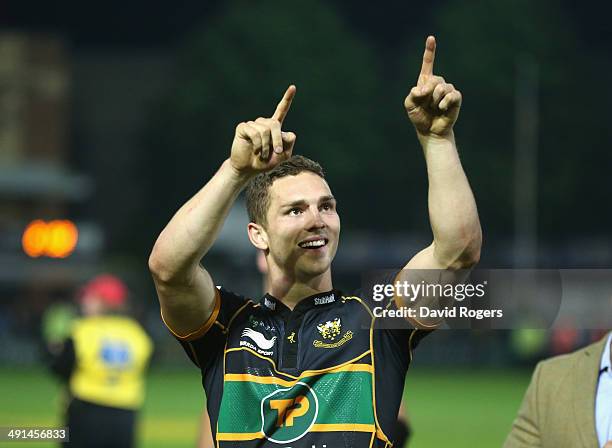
(57, 321)
(103, 362)
(565, 338)
(568, 402)
(297, 368)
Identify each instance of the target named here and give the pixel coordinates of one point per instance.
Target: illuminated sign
(55, 239)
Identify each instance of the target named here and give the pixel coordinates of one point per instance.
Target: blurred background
(112, 115)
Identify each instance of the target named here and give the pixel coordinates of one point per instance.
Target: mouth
(314, 243)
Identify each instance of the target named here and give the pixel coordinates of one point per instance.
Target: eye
(327, 206)
(295, 211)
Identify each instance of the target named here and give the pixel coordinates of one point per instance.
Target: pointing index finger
(428, 57)
(285, 104)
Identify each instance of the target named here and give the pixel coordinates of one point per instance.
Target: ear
(258, 236)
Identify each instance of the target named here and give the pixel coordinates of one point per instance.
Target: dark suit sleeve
(525, 431)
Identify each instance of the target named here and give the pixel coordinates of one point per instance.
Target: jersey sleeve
(206, 343)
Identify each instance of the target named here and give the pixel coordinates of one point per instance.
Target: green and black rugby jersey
(314, 377)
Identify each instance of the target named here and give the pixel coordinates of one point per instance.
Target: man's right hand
(260, 145)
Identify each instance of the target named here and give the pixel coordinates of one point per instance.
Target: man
(296, 369)
(104, 362)
(569, 401)
(401, 431)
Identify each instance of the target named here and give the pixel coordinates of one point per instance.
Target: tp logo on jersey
(288, 414)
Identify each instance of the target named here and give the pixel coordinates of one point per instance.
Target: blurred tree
(236, 68)
(480, 43)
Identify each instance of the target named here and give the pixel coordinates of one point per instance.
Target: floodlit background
(112, 115)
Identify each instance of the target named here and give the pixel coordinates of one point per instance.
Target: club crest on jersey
(330, 330)
(262, 344)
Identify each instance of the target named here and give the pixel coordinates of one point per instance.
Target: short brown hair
(258, 189)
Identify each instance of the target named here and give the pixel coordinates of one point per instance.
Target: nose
(315, 220)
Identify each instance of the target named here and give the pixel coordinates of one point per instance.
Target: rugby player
(296, 368)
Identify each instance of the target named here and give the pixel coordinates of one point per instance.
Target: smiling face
(302, 226)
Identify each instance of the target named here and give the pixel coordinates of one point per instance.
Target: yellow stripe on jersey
(335, 427)
(205, 326)
(275, 380)
(242, 436)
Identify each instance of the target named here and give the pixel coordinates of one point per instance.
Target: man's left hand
(433, 104)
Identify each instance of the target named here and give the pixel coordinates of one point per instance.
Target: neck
(291, 291)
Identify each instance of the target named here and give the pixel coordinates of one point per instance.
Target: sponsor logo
(263, 344)
(291, 337)
(258, 338)
(330, 330)
(288, 414)
(253, 322)
(325, 299)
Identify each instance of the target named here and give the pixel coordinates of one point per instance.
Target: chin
(314, 268)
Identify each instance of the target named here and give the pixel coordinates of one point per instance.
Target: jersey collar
(317, 300)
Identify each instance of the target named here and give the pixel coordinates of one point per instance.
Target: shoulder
(551, 372)
(559, 362)
(83, 324)
(229, 297)
(567, 361)
(134, 329)
(354, 300)
(234, 308)
(555, 376)
(124, 323)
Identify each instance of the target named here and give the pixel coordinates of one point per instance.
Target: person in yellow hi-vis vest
(104, 362)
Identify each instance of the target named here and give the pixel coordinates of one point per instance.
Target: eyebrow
(303, 202)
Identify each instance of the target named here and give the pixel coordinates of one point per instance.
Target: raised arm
(185, 289)
(433, 107)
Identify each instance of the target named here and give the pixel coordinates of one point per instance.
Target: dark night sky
(140, 23)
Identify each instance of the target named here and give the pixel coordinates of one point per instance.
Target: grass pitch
(462, 408)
